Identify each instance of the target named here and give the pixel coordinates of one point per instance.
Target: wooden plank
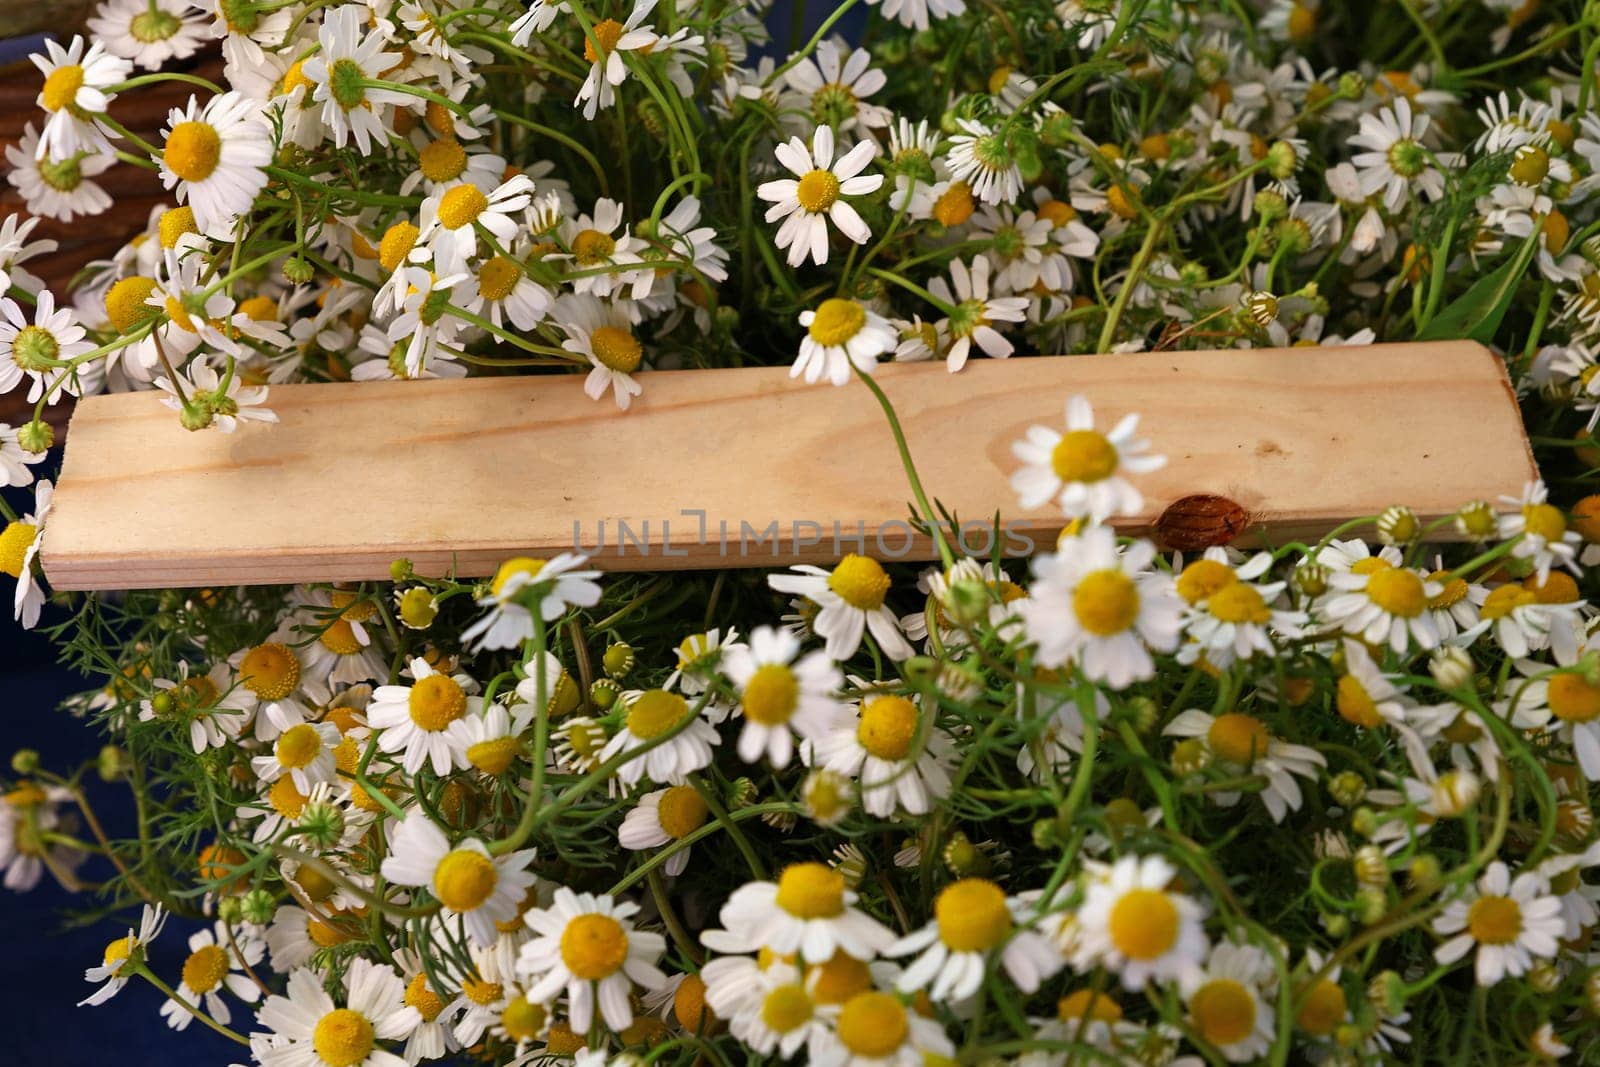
(467, 473)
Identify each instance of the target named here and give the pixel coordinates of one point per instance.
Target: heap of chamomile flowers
(1312, 803)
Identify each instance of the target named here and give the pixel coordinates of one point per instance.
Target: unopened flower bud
(230, 910)
(1143, 714)
(1364, 821)
(1454, 792)
(1044, 835)
(1545, 977)
(1398, 525)
(850, 861)
(618, 659)
(400, 569)
(1311, 578)
(1348, 788)
(258, 906)
(827, 797)
(742, 793)
(1282, 160)
(1371, 904)
(25, 760)
(112, 764)
(1371, 866)
(603, 693)
(1190, 756)
(962, 858)
(1451, 666)
(1352, 85)
(1335, 924)
(1424, 871)
(1262, 307)
(1387, 994)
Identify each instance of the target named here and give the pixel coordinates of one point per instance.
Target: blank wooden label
(749, 468)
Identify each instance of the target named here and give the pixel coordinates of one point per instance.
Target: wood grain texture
(467, 473)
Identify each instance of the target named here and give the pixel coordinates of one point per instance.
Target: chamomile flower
(215, 158)
(1396, 163)
(834, 87)
(817, 194)
(492, 741)
(1564, 704)
(26, 810)
(607, 69)
(434, 1035)
(423, 720)
(1083, 470)
(149, 32)
(840, 335)
(201, 395)
(1230, 1001)
(499, 289)
(915, 13)
(885, 747)
(19, 546)
(37, 350)
(767, 1007)
(850, 602)
(349, 59)
(781, 697)
(1102, 608)
(1243, 743)
(974, 312)
(449, 220)
(57, 190)
(876, 1029)
(76, 80)
(550, 586)
(973, 919)
(1136, 926)
(1508, 922)
(979, 157)
(123, 956)
(589, 946)
(1383, 604)
(662, 817)
(317, 1032)
(211, 967)
(655, 714)
(305, 752)
(807, 912)
(602, 333)
(1544, 538)
(466, 879)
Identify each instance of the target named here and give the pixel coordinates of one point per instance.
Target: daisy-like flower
(1564, 704)
(588, 946)
(466, 879)
(449, 220)
(1509, 922)
(1396, 163)
(973, 919)
(492, 741)
(350, 57)
(1133, 924)
(15, 460)
(808, 912)
(880, 748)
(1083, 470)
(655, 714)
(124, 956)
(212, 966)
(850, 599)
(550, 586)
(149, 32)
(841, 334)
(1383, 604)
(973, 313)
(423, 720)
(1545, 539)
(915, 13)
(314, 1031)
(876, 1029)
(835, 87)
(767, 1007)
(500, 289)
(434, 1036)
(74, 93)
(25, 811)
(1102, 608)
(602, 333)
(19, 544)
(1244, 745)
(216, 710)
(38, 349)
(1230, 1001)
(979, 157)
(607, 70)
(57, 190)
(304, 752)
(215, 157)
(817, 194)
(1239, 619)
(203, 400)
(661, 817)
(780, 697)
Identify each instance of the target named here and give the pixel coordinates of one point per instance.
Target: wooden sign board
(749, 468)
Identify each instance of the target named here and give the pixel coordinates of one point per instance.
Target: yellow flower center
(1323, 1008)
(180, 315)
(464, 879)
(340, 638)
(514, 567)
(119, 950)
(972, 915)
(873, 1025)
(493, 756)
(205, 968)
(1505, 599)
(460, 206)
(497, 278)
(888, 727)
(616, 349)
(689, 1005)
(655, 712)
(1494, 920)
(436, 701)
(811, 891)
(592, 248)
(1143, 924)
(298, 746)
(522, 1020)
(860, 581)
(785, 1008)
(817, 191)
(1370, 565)
(682, 810)
(193, 150)
(836, 321)
(608, 32)
(1453, 592)
(343, 1038)
(1084, 456)
(1088, 1003)
(285, 798)
(61, 87)
(1057, 211)
(841, 978)
(1238, 738)
(955, 205)
(594, 946)
(1544, 520)
(396, 244)
(771, 695)
(126, 305)
(425, 1000)
(15, 540)
(1202, 579)
(259, 309)
(1572, 699)
(1356, 705)
(174, 223)
(442, 161)
(294, 78)
(1399, 591)
(480, 991)
(1239, 603)
(1558, 588)
(1302, 22)
(1223, 1011)
(1106, 602)
(270, 671)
